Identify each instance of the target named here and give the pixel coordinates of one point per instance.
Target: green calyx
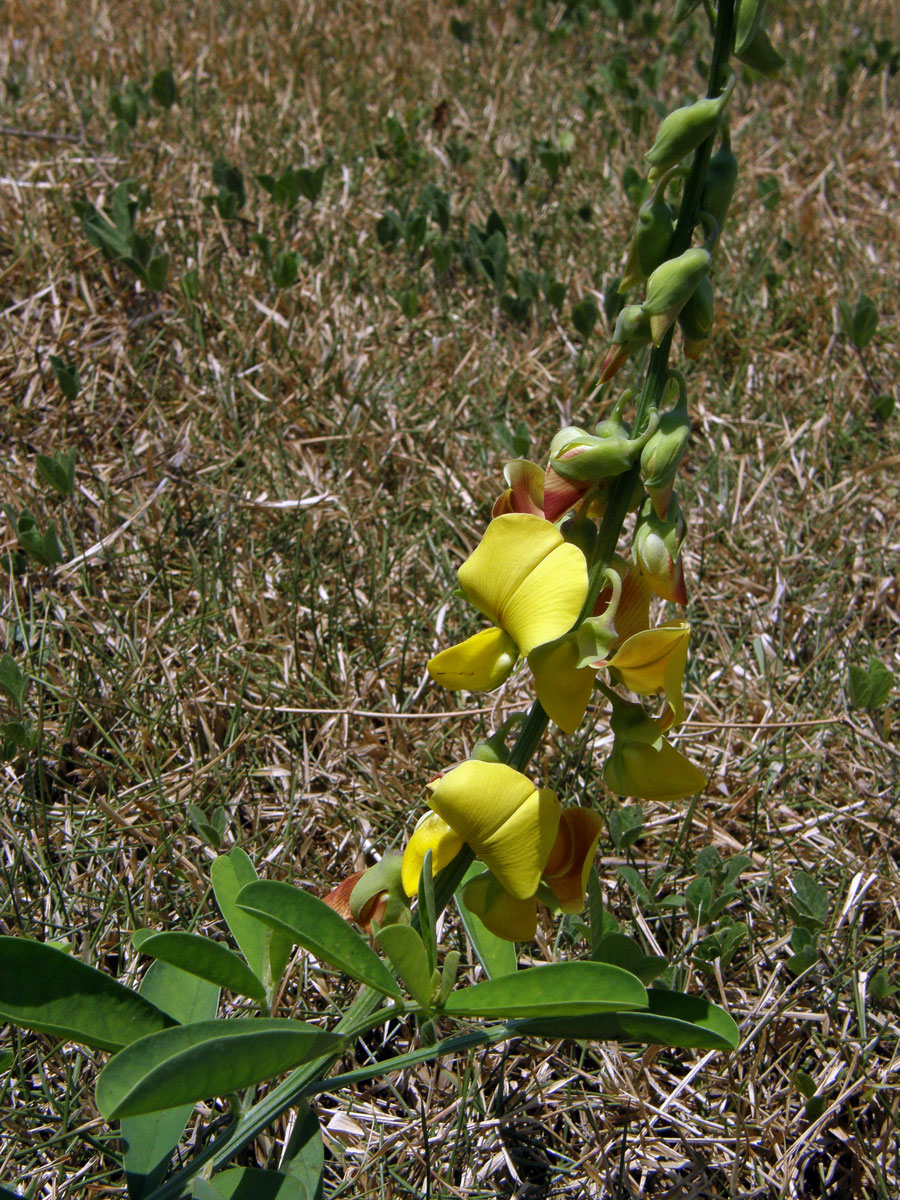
(610, 451)
(671, 286)
(721, 177)
(696, 319)
(652, 236)
(661, 457)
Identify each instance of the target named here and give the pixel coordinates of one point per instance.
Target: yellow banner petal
(512, 546)
(548, 602)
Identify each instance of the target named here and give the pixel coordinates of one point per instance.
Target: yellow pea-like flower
(645, 764)
(653, 661)
(530, 583)
(509, 823)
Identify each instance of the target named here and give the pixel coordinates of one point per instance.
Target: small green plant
(115, 234)
(859, 325)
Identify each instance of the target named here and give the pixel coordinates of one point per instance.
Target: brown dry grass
(274, 490)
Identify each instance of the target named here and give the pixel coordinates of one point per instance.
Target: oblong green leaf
(558, 989)
(319, 929)
(265, 949)
(49, 991)
(406, 950)
(148, 1141)
(672, 1019)
(497, 955)
(249, 1183)
(202, 957)
(210, 1058)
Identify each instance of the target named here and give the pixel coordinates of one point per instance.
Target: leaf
(865, 322)
(810, 904)
(671, 1019)
(626, 825)
(845, 312)
(315, 927)
(304, 1155)
(870, 687)
(66, 374)
(149, 1140)
(49, 991)
(635, 883)
(12, 680)
(406, 950)
(163, 88)
(209, 1058)
(496, 954)
(768, 190)
(625, 952)
(558, 989)
(584, 316)
(309, 182)
(285, 268)
(58, 472)
(249, 1183)
(427, 914)
(266, 950)
(202, 957)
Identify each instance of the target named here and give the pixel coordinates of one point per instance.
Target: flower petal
(562, 688)
(651, 772)
(509, 824)
(501, 913)
(479, 664)
(512, 546)
(570, 861)
(654, 661)
(549, 601)
(431, 833)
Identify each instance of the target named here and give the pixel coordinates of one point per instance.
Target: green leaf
(210, 1058)
(266, 950)
(406, 950)
(805, 958)
(163, 88)
(463, 31)
(66, 374)
(149, 1141)
(156, 272)
(7, 1058)
(6, 1194)
(409, 303)
(427, 914)
(285, 268)
(883, 405)
(584, 316)
(845, 312)
(309, 182)
(202, 957)
(58, 472)
(304, 1155)
(768, 190)
(626, 825)
(317, 928)
(49, 991)
(625, 952)
(671, 1019)
(249, 1183)
(636, 884)
(12, 680)
(558, 989)
(496, 954)
(865, 322)
(810, 903)
(870, 686)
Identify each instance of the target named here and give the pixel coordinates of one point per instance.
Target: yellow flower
(645, 764)
(570, 860)
(504, 915)
(653, 661)
(530, 583)
(509, 824)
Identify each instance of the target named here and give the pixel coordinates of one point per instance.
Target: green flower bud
(581, 532)
(696, 319)
(611, 451)
(721, 177)
(632, 333)
(671, 286)
(761, 55)
(749, 18)
(656, 550)
(684, 129)
(662, 455)
(651, 238)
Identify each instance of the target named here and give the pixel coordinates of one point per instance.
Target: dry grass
(274, 489)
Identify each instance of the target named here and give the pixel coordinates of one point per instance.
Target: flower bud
(696, 319)
(650, 241)
(656, 550)
(671, 286)
(662, 455)
(684, 129)
(721, 177)
(632, 333)
(579, 455)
